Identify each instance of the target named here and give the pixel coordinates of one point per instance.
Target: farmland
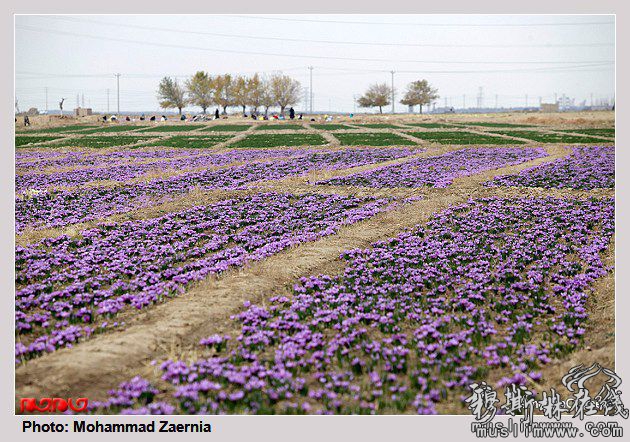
(361, 266)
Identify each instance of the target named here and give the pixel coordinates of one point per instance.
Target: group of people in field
(217, 116)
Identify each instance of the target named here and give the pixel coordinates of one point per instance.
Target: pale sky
(509, 56)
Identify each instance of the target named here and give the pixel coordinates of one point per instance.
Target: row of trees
(205, 90)
(419, 93)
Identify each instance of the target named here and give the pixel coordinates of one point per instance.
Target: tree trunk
(380, 108)
(282, 110)
(243, 106)
(225, 110)
(420, 108)
(180, 110)
(204, 110)
(266, 111)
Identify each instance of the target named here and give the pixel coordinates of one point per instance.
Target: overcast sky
(508, 56)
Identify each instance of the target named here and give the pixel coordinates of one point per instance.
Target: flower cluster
(586, 168)
(438, 171)
(64, 284)
(63, 207)
(491, 285)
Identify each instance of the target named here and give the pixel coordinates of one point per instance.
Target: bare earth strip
(92, 367)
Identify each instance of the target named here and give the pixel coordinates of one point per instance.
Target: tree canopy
(171, 94)
(419, 93)
(377, 95)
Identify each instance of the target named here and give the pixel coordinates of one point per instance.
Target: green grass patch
(446, 137)
(227, 128)
(601, 132)
(100, 142)
(190, 142)
(330, 126)
(60, 129)
(24, 141)
(278, 140)
(110, 129)
(378, 126)
(431, 125)
(372, 139)
(549, 138)
(484, 124)
(172, 128)
(288, 126)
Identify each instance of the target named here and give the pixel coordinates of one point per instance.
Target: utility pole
(480, 98)
(82, 100)
(310, 68)
(108, 100)
(118, 92)
(47, 98)
(393, 107)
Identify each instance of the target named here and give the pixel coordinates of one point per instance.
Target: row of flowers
(105, 166)
(64, 207)
(438, 171)
(488, 290)
(586, 168)
(70, 287)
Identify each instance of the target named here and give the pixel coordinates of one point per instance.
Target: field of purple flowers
(124, 171)
(71, 287)
(493, 287)
(64, 207)
(438, 171)
(37, 159)
(585, 169)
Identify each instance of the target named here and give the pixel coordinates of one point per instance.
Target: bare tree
(200, 90)
(255, 91)
(285, 91)
(240, 92)
(223, 91)
(377, 95)
(171, 94)
(267, 98)
(419, 93)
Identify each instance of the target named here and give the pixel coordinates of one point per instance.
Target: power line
(336, 42)
(123, 40)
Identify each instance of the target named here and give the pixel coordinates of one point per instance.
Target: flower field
(359, 266)
(585, 169)
(437, 171)
(409, 323)
(63, 207)
(65, 283)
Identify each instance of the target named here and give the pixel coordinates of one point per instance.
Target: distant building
(549, 107)
(82, 111)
